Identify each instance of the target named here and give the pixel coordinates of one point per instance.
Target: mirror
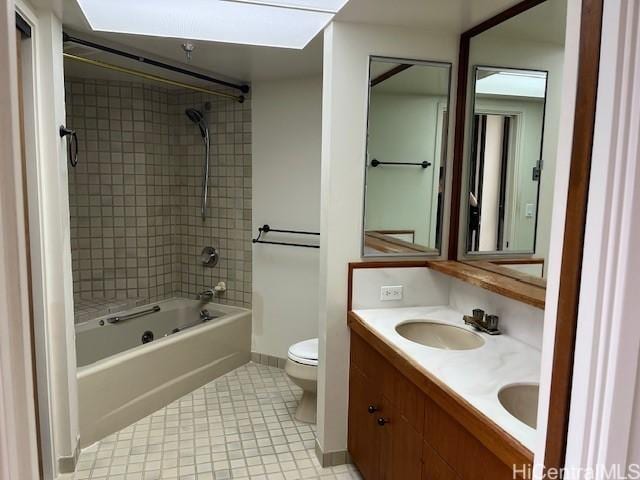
(406, 155)
(505, 159)
(514, 91)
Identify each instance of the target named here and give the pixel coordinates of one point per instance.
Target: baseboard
(68, 464)
(268, 360)
(332, 459)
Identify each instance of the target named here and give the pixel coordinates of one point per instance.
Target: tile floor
(240, 426)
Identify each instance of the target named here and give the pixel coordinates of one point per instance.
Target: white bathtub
(121, 380)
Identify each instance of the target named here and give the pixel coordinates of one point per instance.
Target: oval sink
(521, 401)
(439, 335)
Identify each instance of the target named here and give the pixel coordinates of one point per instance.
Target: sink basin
(439, 335)
(521, 401)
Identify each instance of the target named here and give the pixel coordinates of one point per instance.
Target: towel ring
(72, 140)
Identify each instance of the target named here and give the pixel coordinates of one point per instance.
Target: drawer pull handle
(372, 409)
(382, 421)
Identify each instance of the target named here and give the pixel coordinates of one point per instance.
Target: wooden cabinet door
(364, 432)
(434, 468)
(470, 459)
(401, 448)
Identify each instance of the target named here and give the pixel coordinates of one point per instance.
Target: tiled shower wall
(136, 230)
(227, 226)
(120, 223)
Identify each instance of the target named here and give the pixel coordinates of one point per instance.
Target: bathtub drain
(147, 336)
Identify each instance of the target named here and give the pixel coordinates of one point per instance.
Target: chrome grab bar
(130, 316)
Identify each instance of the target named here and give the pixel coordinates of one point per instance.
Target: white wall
(347, 48)
(403, 128)
(54, 211)
(420, 287)
(287, 122)
(425, 287)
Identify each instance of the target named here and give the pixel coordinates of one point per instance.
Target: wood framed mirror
(568, 292)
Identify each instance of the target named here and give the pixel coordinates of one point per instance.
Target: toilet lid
(305, 352)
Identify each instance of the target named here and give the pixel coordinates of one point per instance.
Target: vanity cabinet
(398, 431)
(385, 418)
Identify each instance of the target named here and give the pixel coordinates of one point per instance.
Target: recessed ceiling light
(209, 20)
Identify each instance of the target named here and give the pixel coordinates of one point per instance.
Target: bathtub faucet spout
(207, 294)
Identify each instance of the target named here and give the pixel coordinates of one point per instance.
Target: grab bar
(141, 313)
(189, 325)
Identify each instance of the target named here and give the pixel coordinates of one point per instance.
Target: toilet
(302, 368)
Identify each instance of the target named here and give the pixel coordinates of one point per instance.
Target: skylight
(514, 83)
(331, 6)
(271, 23)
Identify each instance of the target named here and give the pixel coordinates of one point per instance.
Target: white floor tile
(240, 426)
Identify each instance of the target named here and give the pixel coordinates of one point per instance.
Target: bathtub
(121, 379)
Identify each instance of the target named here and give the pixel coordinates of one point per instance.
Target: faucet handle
(491, 322)
(478, 314)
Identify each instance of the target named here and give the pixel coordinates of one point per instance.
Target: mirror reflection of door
(491, 182)
(505, 160)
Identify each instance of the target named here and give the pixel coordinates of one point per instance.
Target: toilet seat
(305, 353)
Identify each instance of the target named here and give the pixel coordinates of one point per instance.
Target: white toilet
(302, 368)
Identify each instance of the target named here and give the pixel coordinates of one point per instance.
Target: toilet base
(305, 376)
(306, 411)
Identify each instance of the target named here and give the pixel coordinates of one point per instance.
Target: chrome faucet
(485, 323)
(207, 294)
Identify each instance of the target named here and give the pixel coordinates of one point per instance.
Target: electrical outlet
(391, 293)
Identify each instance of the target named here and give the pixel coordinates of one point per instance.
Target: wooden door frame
(604, 429)
(575, 220)
(574, 234)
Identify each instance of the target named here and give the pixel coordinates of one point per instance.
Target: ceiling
(238, 62)
(416, 80)
(543, 23)
(448, 15)
(250, 63)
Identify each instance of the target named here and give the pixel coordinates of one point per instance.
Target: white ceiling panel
(209, 20)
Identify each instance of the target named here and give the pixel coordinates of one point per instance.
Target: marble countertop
(475, 375)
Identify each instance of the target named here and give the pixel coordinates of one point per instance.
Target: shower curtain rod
(148, 76)
(139, 58)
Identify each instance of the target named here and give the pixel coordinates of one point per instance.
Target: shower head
(194, 115)
(197, 117)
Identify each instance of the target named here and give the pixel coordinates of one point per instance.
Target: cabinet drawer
(433, 467)
(374, 367)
